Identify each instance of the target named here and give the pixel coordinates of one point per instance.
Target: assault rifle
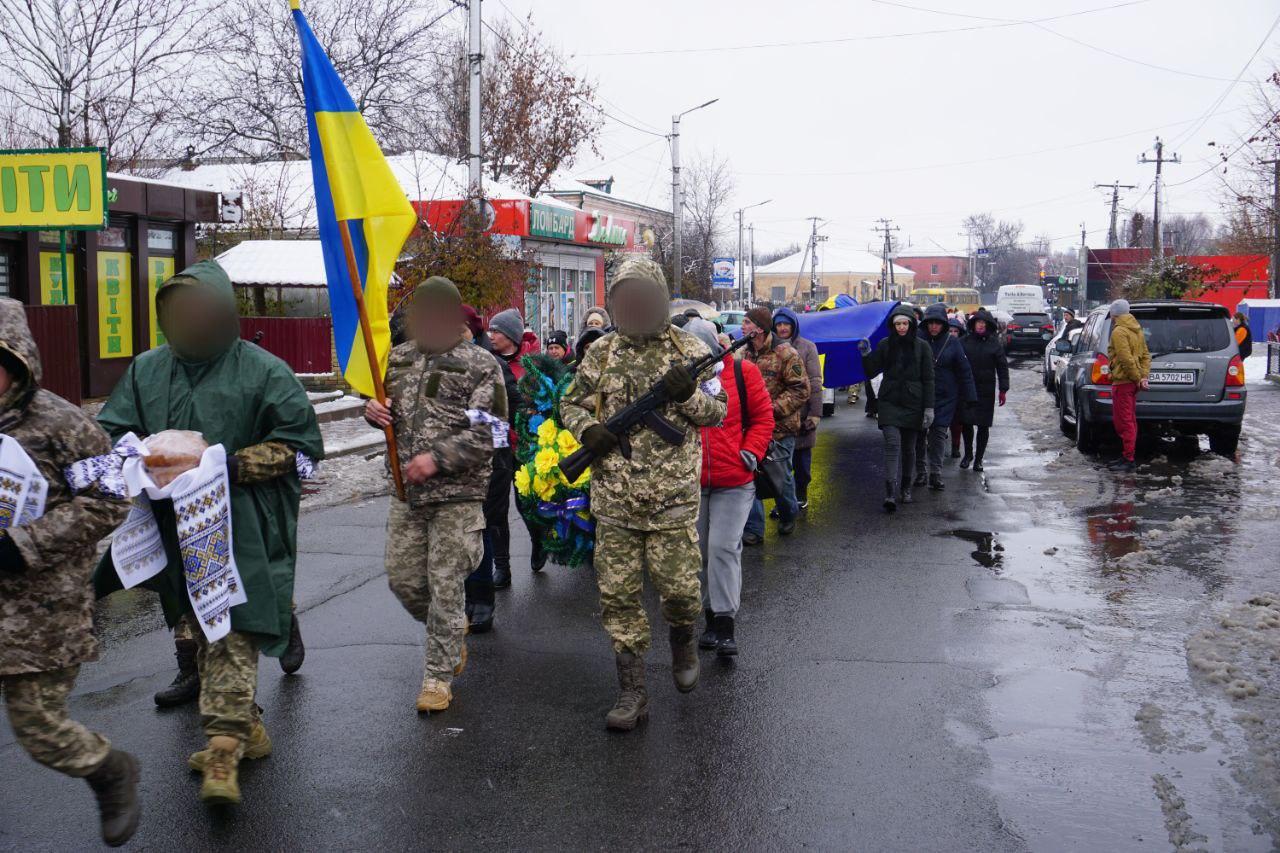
(643, 412)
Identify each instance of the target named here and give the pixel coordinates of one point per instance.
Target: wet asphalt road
(992, 668)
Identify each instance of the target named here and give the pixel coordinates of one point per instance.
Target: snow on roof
(283, 188)
(275, 262)
(565, 184)
(833, 261)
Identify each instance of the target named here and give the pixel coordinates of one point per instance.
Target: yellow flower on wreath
(566, 442)
(579, 483)
(547, 431)
(545, 460)
(524, 483)
(544, 488)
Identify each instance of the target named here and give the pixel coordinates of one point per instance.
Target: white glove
(928, 418)
(864, 346)
(748, 460)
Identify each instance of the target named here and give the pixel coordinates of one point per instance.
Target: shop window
(586, 289)
(567, 302)
(115, 237)
(6, 273)
(53, 291)
(162, 240)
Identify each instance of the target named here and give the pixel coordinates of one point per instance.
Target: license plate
(1168, 377)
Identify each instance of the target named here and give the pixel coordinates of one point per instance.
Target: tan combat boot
(221, 771)
(435, 696)
(684, 658)
(632, 706)
(257, 746)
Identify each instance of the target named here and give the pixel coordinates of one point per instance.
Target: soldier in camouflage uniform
(646, 507)
(442, 396)
(46, 605)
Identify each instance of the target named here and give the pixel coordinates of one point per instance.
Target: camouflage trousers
(37, 703)
(430, 552)
(228, 684)
(673, 560)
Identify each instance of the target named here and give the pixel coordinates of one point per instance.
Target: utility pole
(1272, 288)
(814, 239)
(886, 227)
(1157, 239)
(475, 175)
(1113, 236)
(738, 268)
(677, 198)
(751, 285)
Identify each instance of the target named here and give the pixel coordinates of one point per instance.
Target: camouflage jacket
(784, 376)
(431, 398)
(46, 612)
(658, 488)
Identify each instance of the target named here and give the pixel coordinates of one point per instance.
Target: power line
(1039, 24)
(849, 39)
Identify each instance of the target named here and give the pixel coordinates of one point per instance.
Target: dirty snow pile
(1240, 655)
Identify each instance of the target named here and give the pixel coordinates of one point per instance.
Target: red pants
(1124, 415)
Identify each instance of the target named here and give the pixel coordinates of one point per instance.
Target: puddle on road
(989, 553)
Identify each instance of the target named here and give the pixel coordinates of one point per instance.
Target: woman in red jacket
(730, 453)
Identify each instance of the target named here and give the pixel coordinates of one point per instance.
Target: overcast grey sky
(969, 113)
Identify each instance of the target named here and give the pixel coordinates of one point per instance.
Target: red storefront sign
(512, 217)
(505, 216)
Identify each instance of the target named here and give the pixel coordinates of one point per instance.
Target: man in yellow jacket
(1130, 366)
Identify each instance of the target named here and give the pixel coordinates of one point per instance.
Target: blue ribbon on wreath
(565, 516)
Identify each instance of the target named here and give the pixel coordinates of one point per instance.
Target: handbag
(771, 471)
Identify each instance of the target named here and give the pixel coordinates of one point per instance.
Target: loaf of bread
(173, 452)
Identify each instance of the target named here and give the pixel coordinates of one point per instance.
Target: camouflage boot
(632, 706)
(221, 785)
(684, 658)
(115, 784)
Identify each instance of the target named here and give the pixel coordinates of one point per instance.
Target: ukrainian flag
(354, 184)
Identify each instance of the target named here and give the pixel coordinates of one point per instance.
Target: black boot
(632, 706)
(906, 493)
(728, 646)
(890, 496)
(955, 451)
(935, 482)
(295, 653)
(921, 479)
(501, 576)
(977, 463)
(684, 658)
(115, 784)
(479, 602)
(185, 686)
(967, 460)
(709, 639)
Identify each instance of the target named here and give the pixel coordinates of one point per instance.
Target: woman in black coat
(906, 399)
(953, 387)
(990, 366)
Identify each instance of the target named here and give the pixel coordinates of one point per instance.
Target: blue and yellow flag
(354, 184)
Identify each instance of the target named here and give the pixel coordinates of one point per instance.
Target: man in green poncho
(240, 396)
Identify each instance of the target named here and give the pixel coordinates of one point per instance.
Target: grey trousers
(720, 522)
(899, 455)
(931, 444)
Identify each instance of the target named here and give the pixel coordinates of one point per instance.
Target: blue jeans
(788, 508)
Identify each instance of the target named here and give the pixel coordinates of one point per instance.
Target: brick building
(937, 270)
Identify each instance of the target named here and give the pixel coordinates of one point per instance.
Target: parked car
(1054, 361)
(732, 322)
(1197, 376)
(1028, 332)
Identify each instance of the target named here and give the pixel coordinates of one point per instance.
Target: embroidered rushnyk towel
(23, 488)
(202, 505)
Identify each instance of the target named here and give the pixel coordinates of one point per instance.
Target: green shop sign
(548, 221)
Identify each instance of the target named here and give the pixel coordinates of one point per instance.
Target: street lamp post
(676, 196)
(738, 267)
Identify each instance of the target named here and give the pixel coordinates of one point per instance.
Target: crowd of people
(479, 412)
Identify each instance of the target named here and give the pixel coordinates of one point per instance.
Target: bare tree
(763, 258)
(249, 100)
(96, 72)
(537, 114)
(1188, 235)
(1246, 179)
(708, 188)
(1008, 261)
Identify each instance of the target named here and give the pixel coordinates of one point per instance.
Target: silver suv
(1197, 376)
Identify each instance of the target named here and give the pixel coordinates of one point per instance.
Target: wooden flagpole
(357, 290)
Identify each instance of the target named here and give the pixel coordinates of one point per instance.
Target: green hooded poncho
(239, 398)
